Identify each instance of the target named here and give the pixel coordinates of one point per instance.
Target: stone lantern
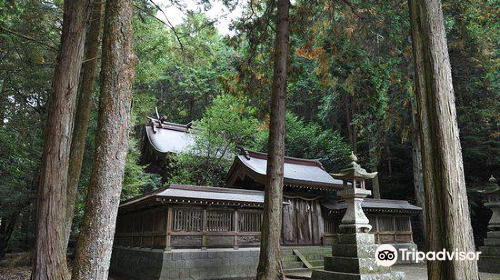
(353, 177)
(353, 251)
(489, 259)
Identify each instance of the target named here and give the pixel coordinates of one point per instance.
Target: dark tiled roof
(374, 205)
(298, 172)
(190, 193)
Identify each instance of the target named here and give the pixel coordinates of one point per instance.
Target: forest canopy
(350, 87)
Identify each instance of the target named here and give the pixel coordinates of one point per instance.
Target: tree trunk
(117, 72)
(50, 256)
(374, 153)
(3, 101)
(270, 267)
(448, 219)
(375, 184)
(418, 177)
(83, 108)
(7, 225)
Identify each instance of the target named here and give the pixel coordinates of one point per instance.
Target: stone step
(327, 275)
(492, 242)
(353, 265)
(297, 272)
(317, 263)
(288, 258)
(489, 264)
(292, 264)
(490, 251)
(316, 256)
(493, 234)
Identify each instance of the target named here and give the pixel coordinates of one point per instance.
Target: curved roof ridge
(212, 189)
(288, 159)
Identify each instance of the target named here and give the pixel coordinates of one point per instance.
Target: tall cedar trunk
(270, 267)
(448, 219)
(50, 254)
(83, 107)
(418, 177)
(117, 72)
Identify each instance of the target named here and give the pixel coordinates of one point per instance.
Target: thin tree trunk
(7, 225)
(375, 184)
(418, 177)
(3, 101)
(50, 254)
(270, 267)
(374, 154)
(117, 72)
(83, 108)
(448, 219)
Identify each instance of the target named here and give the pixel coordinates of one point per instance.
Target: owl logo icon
(386, 255)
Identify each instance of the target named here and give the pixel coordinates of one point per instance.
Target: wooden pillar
(411, 230)
(394, 228)
(236, 230)
(204, 231)
(377, 233)
(168, 232)
(142, 228)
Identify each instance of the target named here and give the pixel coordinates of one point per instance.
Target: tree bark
(117, 72)
(3, 101)
(270, 267)
(83, 108)
(7, 225)
(375, 184)
(418, 177)
(50, 254)
(447, 215)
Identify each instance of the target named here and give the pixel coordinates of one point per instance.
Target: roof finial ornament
(353, 157)
(492, 179)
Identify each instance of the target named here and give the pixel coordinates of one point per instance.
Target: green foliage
(350, 78)
(19, 162)
(182, 80)
(136, 181)
(226, 124)
(311, 141)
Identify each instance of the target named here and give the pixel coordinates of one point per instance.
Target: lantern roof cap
(491, 187)
(354, 171)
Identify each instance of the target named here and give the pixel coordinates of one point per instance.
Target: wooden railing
(190, 227)
(206, 227)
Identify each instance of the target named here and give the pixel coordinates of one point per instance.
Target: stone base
(184, 264)
(331, 275)
(489, 264)
(353, 258)
(489, 260)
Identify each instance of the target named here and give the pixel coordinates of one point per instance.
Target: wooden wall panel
(288, 233)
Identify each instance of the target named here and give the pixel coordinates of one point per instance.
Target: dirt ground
(412, 272)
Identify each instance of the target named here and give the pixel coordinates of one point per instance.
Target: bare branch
(170, 25)
(3, 29)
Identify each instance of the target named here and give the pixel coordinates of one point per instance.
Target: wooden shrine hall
(205, 218)
(181, 216)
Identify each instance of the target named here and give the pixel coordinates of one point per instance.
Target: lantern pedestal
(489, 260)
(353, 251)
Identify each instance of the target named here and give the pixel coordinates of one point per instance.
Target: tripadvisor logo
(387, 255)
